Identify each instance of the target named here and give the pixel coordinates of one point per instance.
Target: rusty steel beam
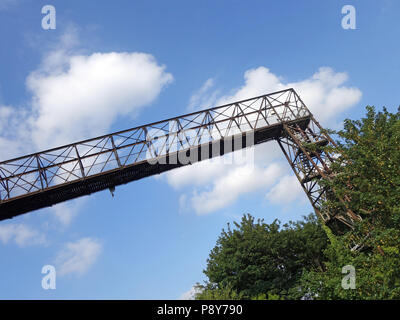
(52, 176)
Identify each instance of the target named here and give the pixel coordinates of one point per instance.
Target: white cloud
(288, 189)
(189, 295)
(197, 174)
(213, 185)
(205, 172)
(203, 98)
(241, 180)
(86, 98)
(77, 257)
(324, 92)
(66, 211)
(77, 96)
(21, 234)
(326, 96)
(257, 82)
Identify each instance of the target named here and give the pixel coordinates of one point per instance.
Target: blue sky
(143, 61)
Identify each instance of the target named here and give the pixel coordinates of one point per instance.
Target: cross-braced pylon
(305, 150)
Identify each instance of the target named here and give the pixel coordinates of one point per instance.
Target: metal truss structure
(303, 148)
(45, 178)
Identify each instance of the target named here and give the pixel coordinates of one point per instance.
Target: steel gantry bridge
(52, 176)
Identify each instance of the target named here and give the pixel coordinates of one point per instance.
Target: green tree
(217, 293)
(259, 260)
(305, 259)
(367, 174)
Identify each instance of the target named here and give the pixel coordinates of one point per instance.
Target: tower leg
(304, 149)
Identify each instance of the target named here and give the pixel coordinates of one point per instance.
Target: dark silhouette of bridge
(45, 178)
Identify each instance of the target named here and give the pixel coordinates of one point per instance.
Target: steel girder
(45, 178)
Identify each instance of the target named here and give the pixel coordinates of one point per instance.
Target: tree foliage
(367, 174)
(257, 260)
(305, 259)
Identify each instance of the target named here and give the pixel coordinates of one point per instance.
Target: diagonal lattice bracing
(303, 148)
(52, 176)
